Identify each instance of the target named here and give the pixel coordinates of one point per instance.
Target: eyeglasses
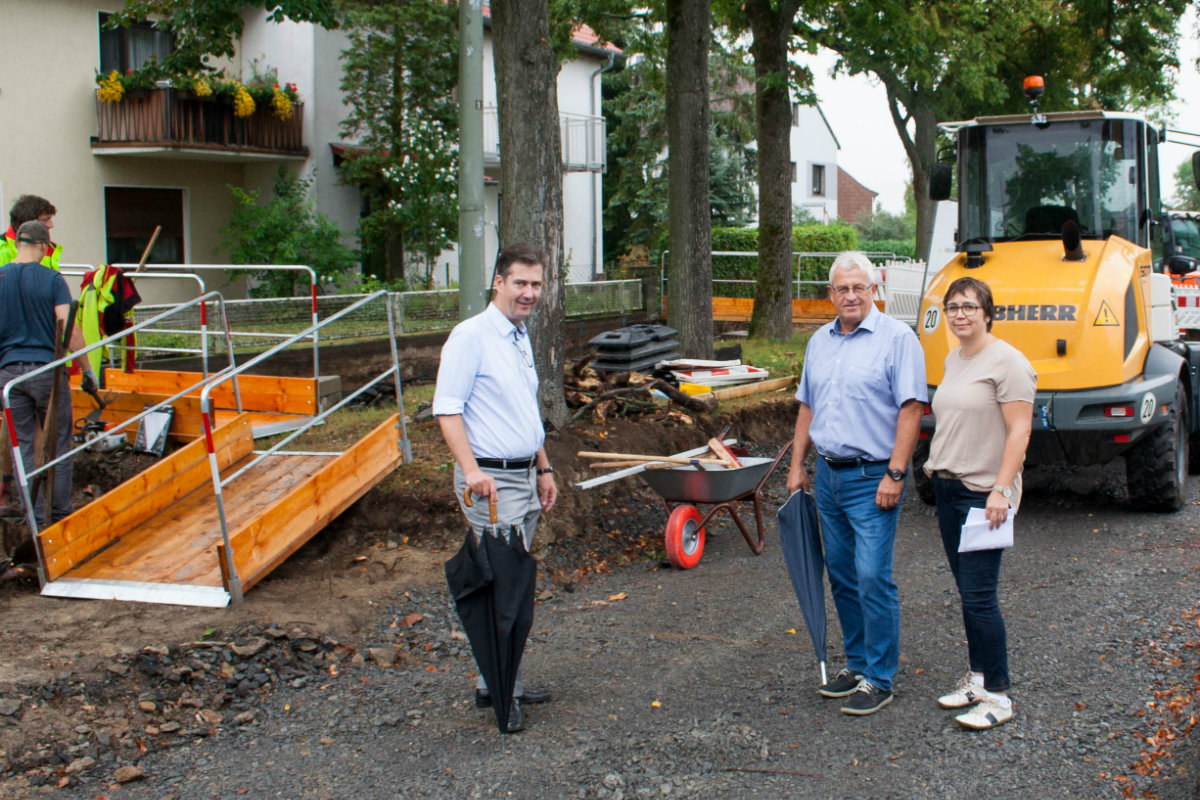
(526, 356)
(967, 309)
(842, 291)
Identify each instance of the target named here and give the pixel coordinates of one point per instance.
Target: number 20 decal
(929, 322)
(1149, 406)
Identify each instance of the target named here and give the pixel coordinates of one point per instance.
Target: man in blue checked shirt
(862, 394)
(486, 404)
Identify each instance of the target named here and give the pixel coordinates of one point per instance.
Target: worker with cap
(32, 301)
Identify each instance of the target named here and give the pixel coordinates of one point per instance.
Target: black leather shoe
(516, 720)
(482, 699)
(532, 697)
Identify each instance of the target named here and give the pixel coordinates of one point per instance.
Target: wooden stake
(643, 458)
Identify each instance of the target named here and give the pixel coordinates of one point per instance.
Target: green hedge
(903, 248)
(809, 238)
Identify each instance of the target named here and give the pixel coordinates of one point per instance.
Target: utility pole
(472, 273)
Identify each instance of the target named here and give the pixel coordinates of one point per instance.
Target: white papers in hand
(977, 536)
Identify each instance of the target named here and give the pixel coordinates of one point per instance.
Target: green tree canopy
(398, 78)
(204, 28)
(1187, 196)
(950, 59)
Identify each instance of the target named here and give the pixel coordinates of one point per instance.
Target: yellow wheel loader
(1060, 214)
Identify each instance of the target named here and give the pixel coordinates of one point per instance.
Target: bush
(284, 230)
(810, 238)
(903, 248)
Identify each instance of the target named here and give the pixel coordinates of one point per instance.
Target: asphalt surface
(703, 684)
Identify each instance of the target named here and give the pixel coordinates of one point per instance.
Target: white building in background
(115, 171)
(814, 166)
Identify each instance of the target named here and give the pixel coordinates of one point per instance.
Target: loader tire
(922, 482)
(1156, 468)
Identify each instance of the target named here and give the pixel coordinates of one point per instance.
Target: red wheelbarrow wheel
(685, 537)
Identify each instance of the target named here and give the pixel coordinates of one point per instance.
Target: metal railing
(24, 479)
(414, 312)
(745, 287)
(583, 140)
(207, 412)
(79, 270)
(224, 268)
(172, 117)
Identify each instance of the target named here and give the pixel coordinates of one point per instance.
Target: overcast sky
(871, 151)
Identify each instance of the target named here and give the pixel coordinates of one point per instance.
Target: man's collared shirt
(487, 375)
(855, 384)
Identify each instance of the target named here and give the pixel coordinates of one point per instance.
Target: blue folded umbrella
(800, 540)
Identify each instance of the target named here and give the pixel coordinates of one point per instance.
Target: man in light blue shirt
(486, 405)
(862, 394)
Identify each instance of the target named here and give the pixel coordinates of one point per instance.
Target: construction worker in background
(27, 208)
(32, 300)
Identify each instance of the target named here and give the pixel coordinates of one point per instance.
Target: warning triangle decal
(1106, 317)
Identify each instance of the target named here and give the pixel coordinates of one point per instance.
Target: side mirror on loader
(942, 175)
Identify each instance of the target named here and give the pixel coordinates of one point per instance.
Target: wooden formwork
(278, 404)
(740, 309)
(157, 537)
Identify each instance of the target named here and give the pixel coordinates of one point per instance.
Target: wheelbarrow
(685, 487)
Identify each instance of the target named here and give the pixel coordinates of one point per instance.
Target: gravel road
(702, 684)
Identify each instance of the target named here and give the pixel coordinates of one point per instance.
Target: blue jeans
(977, 575)
(859, 542)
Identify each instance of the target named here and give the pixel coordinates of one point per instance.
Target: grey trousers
(30, 403)
(519, 505)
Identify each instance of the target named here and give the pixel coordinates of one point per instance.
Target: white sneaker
(968, 691)
(989, 713)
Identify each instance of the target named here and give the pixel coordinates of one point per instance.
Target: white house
(116, 170)
(814, 166)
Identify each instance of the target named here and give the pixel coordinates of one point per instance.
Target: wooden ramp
(157, 537)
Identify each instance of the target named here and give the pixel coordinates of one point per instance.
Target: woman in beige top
(984, 412)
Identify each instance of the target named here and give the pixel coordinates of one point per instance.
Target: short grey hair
(850, 260)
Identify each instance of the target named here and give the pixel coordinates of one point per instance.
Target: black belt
(847, 463)
(506, 463)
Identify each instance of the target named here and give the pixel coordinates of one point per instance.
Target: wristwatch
(896, 474)
(1007, 491)
(545, 470)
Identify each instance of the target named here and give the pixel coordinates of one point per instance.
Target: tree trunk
(772, 316)
(689, 271)
(921, 149)
(393, 255)
(531, 174)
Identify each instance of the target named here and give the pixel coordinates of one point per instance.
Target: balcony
(169, 123)
(583, 141)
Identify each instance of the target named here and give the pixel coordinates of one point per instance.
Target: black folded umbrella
(800, 540)
(492, 579)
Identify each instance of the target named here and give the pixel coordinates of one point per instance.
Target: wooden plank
(769, 385)
(120, 406)
(179, 545)
(72, 540)
(259, 392)
(740, 309)
(280, 529)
